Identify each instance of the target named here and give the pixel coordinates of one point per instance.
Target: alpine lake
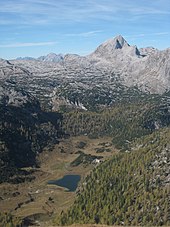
(69, 182)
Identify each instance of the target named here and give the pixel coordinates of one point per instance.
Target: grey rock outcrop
(113, 67)
(52, 57)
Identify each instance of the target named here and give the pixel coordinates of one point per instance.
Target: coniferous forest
(132, 187)
(129, 189)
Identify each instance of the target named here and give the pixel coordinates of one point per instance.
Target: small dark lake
(68, 181)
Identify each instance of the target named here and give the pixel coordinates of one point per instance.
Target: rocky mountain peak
(119, 42)
(116, 47)
(4, 62)
(51, 57)
(116, 43)
(148, 51)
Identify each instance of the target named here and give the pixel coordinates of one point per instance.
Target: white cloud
(160, 33)
(85, 34)
(147, 34)
(27, 44)
(52, 11)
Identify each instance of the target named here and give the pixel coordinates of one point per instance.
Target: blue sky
(38, 27)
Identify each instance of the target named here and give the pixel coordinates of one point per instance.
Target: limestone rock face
(113, 68)
(52, 57)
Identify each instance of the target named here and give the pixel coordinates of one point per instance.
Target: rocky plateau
(106, 75)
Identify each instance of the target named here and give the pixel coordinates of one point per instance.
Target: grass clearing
(31, 198)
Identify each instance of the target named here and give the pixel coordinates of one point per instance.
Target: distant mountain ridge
(108, 46)
(51, 57)
(113, 68)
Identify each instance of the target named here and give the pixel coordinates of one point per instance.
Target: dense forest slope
(130, 189)
(24, 131)
(124, 122)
